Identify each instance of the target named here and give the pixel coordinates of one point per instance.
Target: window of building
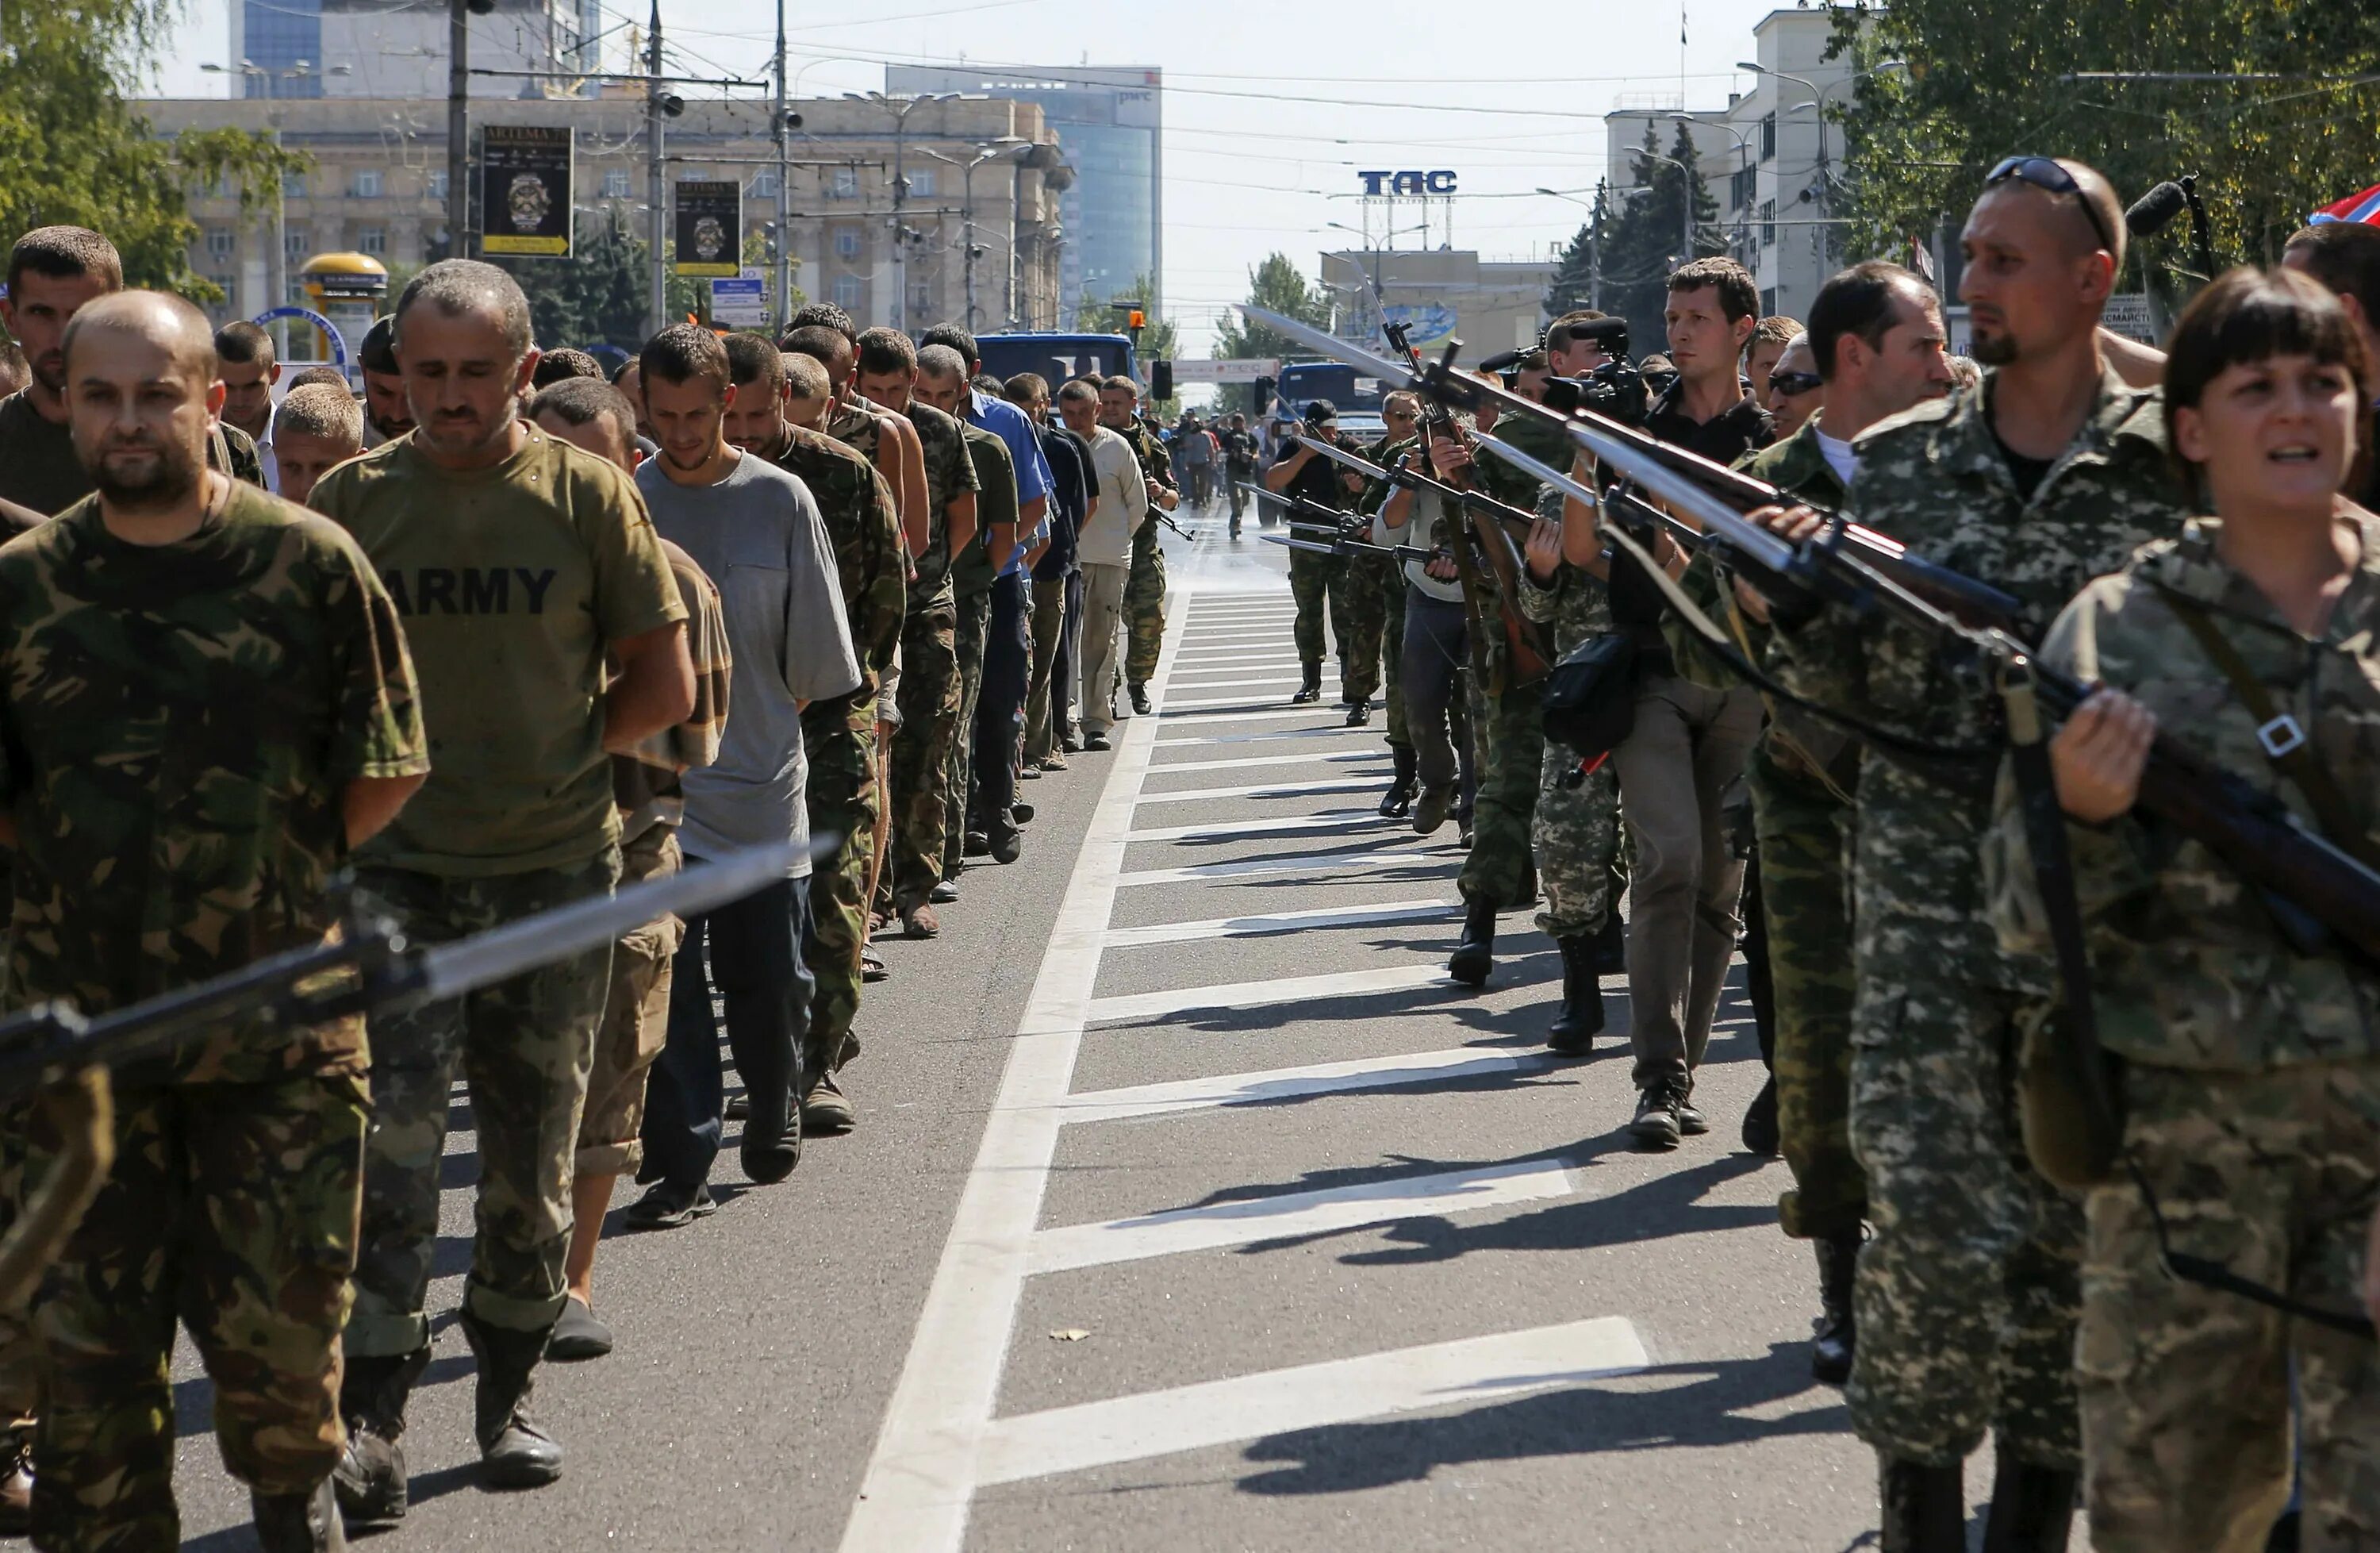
(367, 184)
(616, 184)
(846, 242)
(372, 240)
(1767, 223)
(921, 299)
(921, 184)
(1768, 138)
(437, 185)
(293, 185)
(844, 184)
(764, 184)
(297, 244)
(1742, 185)
(222, 242)
(850, 293)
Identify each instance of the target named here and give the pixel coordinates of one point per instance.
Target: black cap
(377, 353)
(1321, 410)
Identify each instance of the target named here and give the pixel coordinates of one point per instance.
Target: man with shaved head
(212, 685)
(518, 562)
(2050, 473)
(316, 428)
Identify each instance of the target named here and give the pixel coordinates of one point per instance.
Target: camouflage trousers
(1967, 1294)
(1144, 607)
(1392, 655)
(929, 698)
(1804, 833)
(1509, 735)
(1574, 835)
(845, 799)
(958, 771)
(1046, 696)
(2186, 1390)
(525, 1048)
(636, 1020)
(1314, 582)
(1359, 619)
(232, 1207)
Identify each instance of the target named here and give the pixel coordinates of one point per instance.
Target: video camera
(1616, 389)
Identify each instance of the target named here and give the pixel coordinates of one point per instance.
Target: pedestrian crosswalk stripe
(1267, 790)
(1277, 1085)
(1287, 757)
(1333, 731)
(1130, 1007)
(1361, 862)
(1261, 923)
(1329, 819)
(1270, 714)
(1461, 1373)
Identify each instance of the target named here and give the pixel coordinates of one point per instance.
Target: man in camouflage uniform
(1316, 580)
(1966, 1294)
(518, 818)
(973, 575)
(887, 375)
(206, 700)
(1144, 592)
(778, 398)
(1401, 413)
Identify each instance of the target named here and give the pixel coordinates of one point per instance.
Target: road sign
(1244, 371)
(740, 301)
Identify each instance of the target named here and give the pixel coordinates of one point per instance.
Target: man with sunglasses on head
(2049, 474)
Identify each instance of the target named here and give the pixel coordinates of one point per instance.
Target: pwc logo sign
(1407, 184)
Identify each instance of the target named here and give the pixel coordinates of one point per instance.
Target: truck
(1057, 357)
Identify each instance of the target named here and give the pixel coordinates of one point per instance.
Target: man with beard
(387, 416)
(52, 273)
(517, 562)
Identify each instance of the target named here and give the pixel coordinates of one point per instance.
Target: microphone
(2154, 211)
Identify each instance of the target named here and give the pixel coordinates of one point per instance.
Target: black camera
(1616, 390)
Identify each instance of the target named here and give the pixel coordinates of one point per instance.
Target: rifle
(1403, 473)
(63, 1058)
(1342, 546)
(1161, 517)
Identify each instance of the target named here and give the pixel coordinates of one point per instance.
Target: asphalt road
(1191, 1206)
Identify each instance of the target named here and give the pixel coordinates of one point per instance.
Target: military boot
(1430, 809)
(1838, 1337)
(514, 1452)
(1398, 800)
(1924, 1508)
(1139, 694)
(1359, 713)
(370, 1477)
(1575, 1027)
(1475, 952)
(1311, 691)
(2032, 1507)
(299, 1523)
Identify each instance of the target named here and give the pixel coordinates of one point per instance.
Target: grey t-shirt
(758, 535)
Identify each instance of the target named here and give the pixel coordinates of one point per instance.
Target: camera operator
(1316, 580)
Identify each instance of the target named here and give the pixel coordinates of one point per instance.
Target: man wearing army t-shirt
(516, 561)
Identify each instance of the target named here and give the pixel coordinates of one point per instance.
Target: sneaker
(871, 966)
(919, 921)
(824, 1110)
(1030, 772)
(1022, 813)
(1007, 845)
(975, 843)
(1656, 1126)
(1095, 742)
(945, 892)
(577, 1334)
(666, 1205)
(1055, 761)
(1072, 745)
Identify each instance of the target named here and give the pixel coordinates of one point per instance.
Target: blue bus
(1057, 357)
(1357, 397)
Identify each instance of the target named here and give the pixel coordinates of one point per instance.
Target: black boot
(1475, 952)
(1831, 1348)
(1924, 1508)
(1574, 1029)
(1311, 691)
(1139, 698)
(370, 1477)
(299, 1523)
(2032, 1507)
(1397, 802)
(1359, 713)
(1760, 1133)
(514, 1452)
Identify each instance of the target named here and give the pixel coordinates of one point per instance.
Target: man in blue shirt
(1057, 577)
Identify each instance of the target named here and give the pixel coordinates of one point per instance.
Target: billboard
(710, 229)
(525, 190)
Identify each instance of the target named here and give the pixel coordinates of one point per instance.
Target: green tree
(1573, 284)
(1275, 284)
(1985, 79)
(72, 150)
(1642, 243)
(1159, 339)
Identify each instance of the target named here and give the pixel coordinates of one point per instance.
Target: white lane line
(1273, 714)
(1132, 1007)
(1335, 730)
(1214, 1225)
(1292, 1083)
(1181, 684)
(1263, 924)
(1254, 697)
(1287, 757)
(1473, 1370)
(1361, 861)
(1273, 789)
(923, 1470)
(1329, 819)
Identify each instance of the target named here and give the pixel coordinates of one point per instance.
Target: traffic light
(1161, 380)
(1264, 391)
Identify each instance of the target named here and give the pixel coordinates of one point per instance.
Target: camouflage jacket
(864, 522)
(950, 474)
(1935, 479)
(2189, 968)
(178, 722)
(1155, 462)
(1573, 601)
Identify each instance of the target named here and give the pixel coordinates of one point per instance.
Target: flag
(1921, 258)
(2363, 207)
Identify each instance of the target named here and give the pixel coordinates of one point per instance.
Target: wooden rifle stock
(1532, 660)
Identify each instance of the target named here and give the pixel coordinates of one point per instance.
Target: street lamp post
(1006, 145)
(1819, 96)
(1743, 156)
(900, 108)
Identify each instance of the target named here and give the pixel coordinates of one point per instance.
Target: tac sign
(1408, 184)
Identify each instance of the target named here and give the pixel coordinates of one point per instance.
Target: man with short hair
(1769, 339)
(1239, 451)
(1120, 505)
(1318, 582)
(556, 366)
(387, 416)
(1144, 598)
(205, 700)
(2051, 473)
(52, 273)
(1195, 452)
(886, 372)
(649, 790)
(840, 734)
(517, 563)
(1795, 389)
(314, 429)
(320, 373)
(250, 373)
(745, 519)
(1057, 577)
(1573, 351)
(883, 435)
(2345, 256)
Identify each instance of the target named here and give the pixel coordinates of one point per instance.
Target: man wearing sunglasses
(2049, 474)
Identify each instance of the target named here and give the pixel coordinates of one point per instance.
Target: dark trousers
(1000, 710)
(753, 962)
(1069, 672)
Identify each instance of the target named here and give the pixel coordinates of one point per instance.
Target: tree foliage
(1642, 239)
(1985, 81)
(1275, 284)
(1574, 283)
(1159, 339)
(73, 151)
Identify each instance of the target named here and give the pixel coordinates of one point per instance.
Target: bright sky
(1269, 108)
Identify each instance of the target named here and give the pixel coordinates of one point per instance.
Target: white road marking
(1329, 819)
(1293, 1084)
(1215, 1412)
(1361, 861)
(1274, 715)
(1254, 697)
(1333, 731)
(1133, 1008)
(1287, 757)
(1240, 1221)
(1275, 789)
(1259, 925)
(1233, 684)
